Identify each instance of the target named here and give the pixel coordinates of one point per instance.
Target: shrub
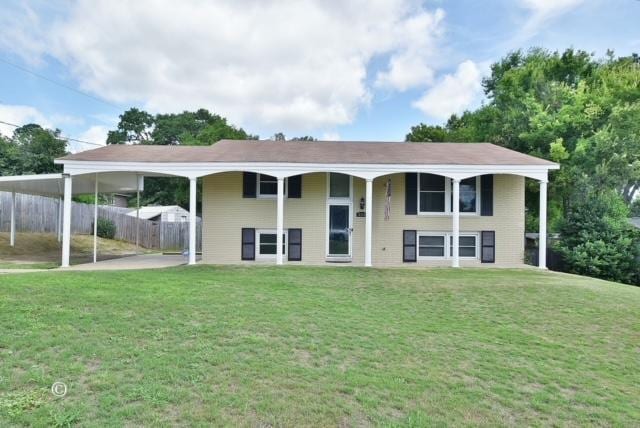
(597, 239)
(106, 228)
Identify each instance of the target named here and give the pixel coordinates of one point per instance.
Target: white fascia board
(283, 170)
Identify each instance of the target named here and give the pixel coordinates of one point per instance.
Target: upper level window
(268, 186)
(468, 195)
(435, 194)
(432, 193)
(339, 185)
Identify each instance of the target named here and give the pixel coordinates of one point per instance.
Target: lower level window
(432, 245)
(266, 244)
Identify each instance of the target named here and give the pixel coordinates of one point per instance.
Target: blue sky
(352, 70)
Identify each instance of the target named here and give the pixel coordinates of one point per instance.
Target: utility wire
(55, 82)
(62, 137)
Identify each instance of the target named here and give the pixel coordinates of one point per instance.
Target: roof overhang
(283, 170)
(53, 184)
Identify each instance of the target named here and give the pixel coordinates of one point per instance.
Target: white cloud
(412, 65)
(296, 65)
(541, 12)
(96, 134)
(20, 115)
(454, 92)
(331, 136)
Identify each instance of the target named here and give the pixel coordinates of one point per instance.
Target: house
(164, 213)
(635, 222)
(321, 202)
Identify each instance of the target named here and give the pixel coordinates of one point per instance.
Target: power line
(55, 82)
(62, 137)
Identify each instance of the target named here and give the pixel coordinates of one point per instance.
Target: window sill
(338, 259)
(447, 214)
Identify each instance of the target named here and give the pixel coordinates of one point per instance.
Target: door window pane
(339, 185)
(339, 233)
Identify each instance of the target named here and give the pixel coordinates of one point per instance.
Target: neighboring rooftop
(323, 152)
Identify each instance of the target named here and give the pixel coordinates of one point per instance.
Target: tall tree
(197, 128)
(135, 127)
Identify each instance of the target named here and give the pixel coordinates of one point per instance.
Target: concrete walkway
(145, 261)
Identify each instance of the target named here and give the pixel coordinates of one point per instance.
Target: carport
(53, 185)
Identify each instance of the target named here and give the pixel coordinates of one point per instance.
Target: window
(467, 245)
(432, 193)
(435, 195)
(266, 244)
(339, 185)
(468, 192)
(268, 186)
(431, 245)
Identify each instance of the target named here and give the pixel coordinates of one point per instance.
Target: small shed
(163, 213)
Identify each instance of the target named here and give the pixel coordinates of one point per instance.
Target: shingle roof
(317, 152)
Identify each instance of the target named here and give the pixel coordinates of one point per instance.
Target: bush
(597, 239)
(106, 228)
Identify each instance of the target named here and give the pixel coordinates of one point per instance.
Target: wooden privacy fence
(40, 214)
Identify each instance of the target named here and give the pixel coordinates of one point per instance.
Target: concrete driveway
(145, 261)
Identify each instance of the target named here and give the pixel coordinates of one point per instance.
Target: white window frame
(448, 236)
(285, 244)
(339, 200)
(448, 191)
(269, 195)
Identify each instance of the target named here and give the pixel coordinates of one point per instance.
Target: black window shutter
(409, 250)
(248, 243)
(294, 250)
(488, 246)
(486, 195)
(294, 186)
(411, 193)
(249, 184)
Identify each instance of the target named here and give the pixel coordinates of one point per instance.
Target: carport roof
(53, 184)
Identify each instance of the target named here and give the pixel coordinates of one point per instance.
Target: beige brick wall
(226, 212)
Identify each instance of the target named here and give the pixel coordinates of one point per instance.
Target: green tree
(568, 107)
(36, 148)
(10, 159)
(597, 239)
(135, 127)
(198, 128)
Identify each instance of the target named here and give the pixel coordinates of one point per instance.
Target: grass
(294, 346)
(42, 250)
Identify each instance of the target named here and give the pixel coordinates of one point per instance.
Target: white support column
(59, 220)
(279, 221)
(192, 220)
(66, 222)
(12, 233)
(138, 178)
(456, 223)
(368, 197)
(542, 238)
(95, 222)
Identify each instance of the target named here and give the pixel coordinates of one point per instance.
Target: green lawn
(266, 346)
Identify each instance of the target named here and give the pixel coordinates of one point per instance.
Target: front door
(339, 224)
(339, 230)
